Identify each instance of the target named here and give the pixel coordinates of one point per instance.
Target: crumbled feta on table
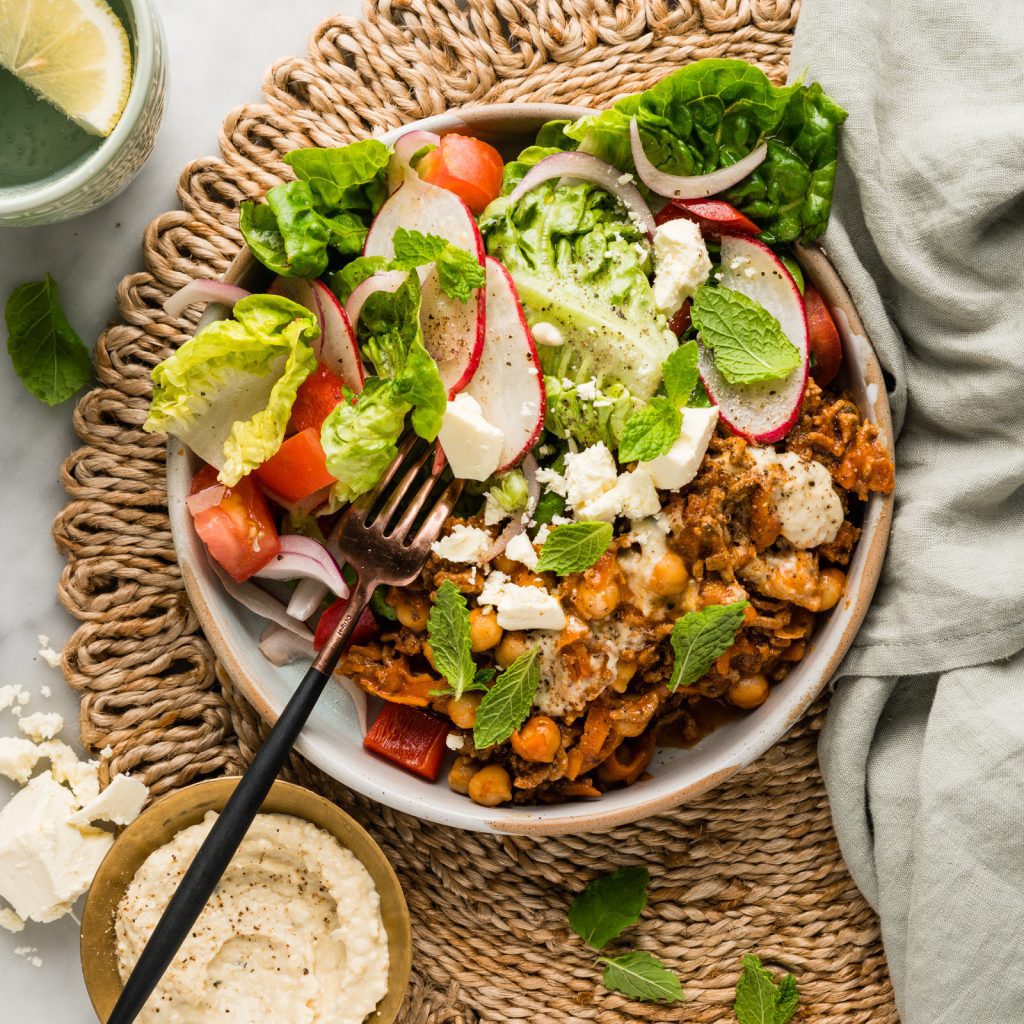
(18, 758)
(43, 725)
(120, 803)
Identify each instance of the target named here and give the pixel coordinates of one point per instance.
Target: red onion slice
(208, 497)
(261, 603)
(307, 597)
(203, 289)
(383, 281)
(590, 168)
(696, 186)
(514, 528)
(301, 558)
(280, 646)
(529, 468)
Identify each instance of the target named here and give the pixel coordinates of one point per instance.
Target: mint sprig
(609, 905)
(507, 704)
(641, 976)
(574, 547)
(698, 638)
(759, 1000)
(679, 374)
(448, 633)
(458, 271)
(651, 431)
(748, 343)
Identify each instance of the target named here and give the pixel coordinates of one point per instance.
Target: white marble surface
(217, 55)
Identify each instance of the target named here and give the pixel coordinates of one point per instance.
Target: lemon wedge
(73, 53)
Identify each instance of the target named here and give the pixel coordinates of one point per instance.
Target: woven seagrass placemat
(753, 866)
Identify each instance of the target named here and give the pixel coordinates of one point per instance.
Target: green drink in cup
(81, 96)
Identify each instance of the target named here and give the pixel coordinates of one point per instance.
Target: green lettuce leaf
(588, 419)
(228, 392)
(580, 263)
(352, 177)
(711, 113)
(343, 282)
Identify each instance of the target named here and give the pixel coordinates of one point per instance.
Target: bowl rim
(186, 806)
(773, 719)
(146, 34)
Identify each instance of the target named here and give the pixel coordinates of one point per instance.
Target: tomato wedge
(316, 399)
(714, 217)
(468, 167)
(298, 468)
(411, 738)
(366, 626)
(239, 531)
(826, 348)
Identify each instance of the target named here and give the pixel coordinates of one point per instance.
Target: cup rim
(146, 29)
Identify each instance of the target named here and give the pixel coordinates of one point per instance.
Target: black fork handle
(229, 830)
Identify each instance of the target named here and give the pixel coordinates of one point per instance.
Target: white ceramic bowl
(332, 739)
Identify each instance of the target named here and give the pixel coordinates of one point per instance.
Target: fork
(385, 538)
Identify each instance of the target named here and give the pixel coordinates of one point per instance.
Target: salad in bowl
(610, 339)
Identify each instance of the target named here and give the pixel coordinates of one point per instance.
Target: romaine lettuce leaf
(591, 418)
(713, 112)
(228, 392)
(580, 263)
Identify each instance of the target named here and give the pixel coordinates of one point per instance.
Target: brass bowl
(168, 816)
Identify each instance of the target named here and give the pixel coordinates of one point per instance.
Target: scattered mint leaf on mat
(49, 357)
(641, 976)
(747, 341)
(679, 374)
(574, 547)
(759, 1000)
(609, 905)
(507, 703)
(458, 271)
(448, 632)
(651, 431)
(700, 637)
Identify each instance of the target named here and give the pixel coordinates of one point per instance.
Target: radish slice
(338, 348)
(203, 290)
(302, 558)
(208, 497)
(590, 168)
(306, 598)
(694, 186)
(280, 646)
(261, 603)
(763, 412)
(453, 331)
(508, 383)
(406, 147)
(382, 281)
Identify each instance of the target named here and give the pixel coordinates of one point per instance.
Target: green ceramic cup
(66, 172)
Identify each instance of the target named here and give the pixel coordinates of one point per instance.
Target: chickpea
(669, 575)
(624, 672)
(830, 588)
(597, 600)
(538, 739)
(463, 711)
(512, 645)
(490, 786)
(461, 774)
(504, 564)
(749, 692)
(484, 631)
(412, 612)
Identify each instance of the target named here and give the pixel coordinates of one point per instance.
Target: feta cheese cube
(681, 263)
(471, 444)
(463, 544)
(43, 725)
(521, 607)
(588, 474)
(679, 465)
(121, 803)
(520, 549)
(18, 758)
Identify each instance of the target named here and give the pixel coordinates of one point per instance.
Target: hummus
(293, 932)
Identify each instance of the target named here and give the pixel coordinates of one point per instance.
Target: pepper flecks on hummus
(293, 933)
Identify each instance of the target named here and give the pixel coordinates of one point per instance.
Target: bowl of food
(674, 433)
(309, 912)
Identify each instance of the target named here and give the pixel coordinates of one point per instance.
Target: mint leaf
(651, 431)
(609, 905)
(459, 272)
(679, 374)
(507, 703)
(448, 632)
(700, 637)
(574, 547)
(699, 397)
(747, 341)
(759, 1000)
(643, 977)
(49, 357)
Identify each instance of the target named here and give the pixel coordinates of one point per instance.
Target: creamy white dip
(292, 934)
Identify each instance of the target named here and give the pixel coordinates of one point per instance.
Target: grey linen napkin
(923, 751)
